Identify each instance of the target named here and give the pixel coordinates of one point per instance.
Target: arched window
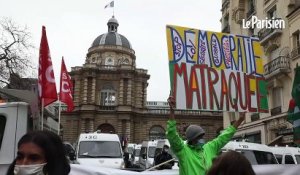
(108, 96)
(157, 132)
(106, 128)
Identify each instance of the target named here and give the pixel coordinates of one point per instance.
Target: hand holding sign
(172, 104)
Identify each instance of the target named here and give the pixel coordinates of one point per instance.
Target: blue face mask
(201, 142)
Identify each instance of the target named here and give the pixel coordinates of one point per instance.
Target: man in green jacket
(195, 156)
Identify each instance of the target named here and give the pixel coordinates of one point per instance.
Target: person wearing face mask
(195, 156)
(163, 157)
(40, 153)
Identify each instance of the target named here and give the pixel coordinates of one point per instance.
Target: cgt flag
(66, 87)
(46, 82)
(111, 4)
(294, 106)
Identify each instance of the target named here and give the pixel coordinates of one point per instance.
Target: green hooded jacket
(195, 160)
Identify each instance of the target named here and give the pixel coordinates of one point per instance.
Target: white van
(14, 123)
(255, 153)
(286, 155)
(99, 149)
(146, 157)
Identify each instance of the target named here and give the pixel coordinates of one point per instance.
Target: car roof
(285, 150)
(234, 145)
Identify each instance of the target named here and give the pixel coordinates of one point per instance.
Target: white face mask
(36, 169)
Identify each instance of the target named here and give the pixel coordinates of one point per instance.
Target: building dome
(112, 37)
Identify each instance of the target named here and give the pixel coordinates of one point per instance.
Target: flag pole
(59, 111)
(114, 9)
(42, 117)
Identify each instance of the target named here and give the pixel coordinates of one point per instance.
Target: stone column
(121, 92)
(129, 94)
(85, 89)
(93, 98)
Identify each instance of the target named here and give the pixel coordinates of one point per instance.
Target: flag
(294, 106)
(66, 87)
(111, 4)
(46, 82)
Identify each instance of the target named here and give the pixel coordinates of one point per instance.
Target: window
(2, 128)
(226, 28)
(296, 38)
(296, 44)
(272, 13)
(254, 138)
(288, 159)
(106, 128)
(258, 157)
(297, 158)
(279, 158)
(276, 97)
(157, 132)
(108, 96)
(251, 8)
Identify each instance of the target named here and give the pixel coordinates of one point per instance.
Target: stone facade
(281, 49)
(110, 94)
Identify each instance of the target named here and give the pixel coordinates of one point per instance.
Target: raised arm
(172, 105)
(172, 134)
(226, 135)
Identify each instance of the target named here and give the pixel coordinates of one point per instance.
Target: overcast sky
(72, 26)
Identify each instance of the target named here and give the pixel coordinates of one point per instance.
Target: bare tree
(15, 49)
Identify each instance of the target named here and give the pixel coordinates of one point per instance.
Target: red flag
(66, 87)
(47, 87)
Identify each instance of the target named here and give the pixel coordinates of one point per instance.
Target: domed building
(110, 95)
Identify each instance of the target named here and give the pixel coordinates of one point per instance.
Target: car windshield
(98, 149)
(259, 157)
(298, 158)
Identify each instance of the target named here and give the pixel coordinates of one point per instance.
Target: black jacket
(163, 157)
